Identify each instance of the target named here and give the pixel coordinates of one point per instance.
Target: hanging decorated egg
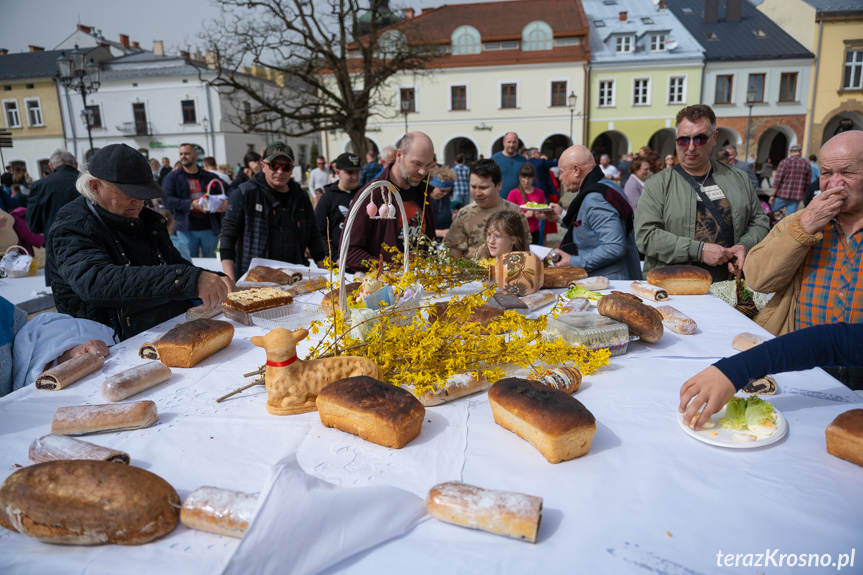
(391, 210)
(371, 210)
(384, 211)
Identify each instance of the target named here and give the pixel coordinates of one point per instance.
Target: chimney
(136, 44)
(409, 13)
(124, 40)
(36, 48)
(622, 15)
(732, 10)
(211, 60)
(158, 48)
(4, 51)
(184, 54)
(711, 11)
(85, 29)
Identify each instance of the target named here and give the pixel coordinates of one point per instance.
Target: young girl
(524, 193)
(504, 234)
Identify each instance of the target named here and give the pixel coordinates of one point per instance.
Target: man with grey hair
(113, 259)
(51, 193)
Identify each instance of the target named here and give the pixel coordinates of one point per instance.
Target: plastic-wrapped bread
(201, 312)
(566, 379)
(539, 299)
(220, 511)
(593, 283)
(84, 419)
(135, 380)
(506, 513)
(309, 285)
(70, 371)
(676, 320)
(59, 447)
(458, 386)
(576, 305)
(745, 340)
(648, 291)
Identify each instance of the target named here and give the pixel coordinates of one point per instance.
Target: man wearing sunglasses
(270, 216)
(702, 212)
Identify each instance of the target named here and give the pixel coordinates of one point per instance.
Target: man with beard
(333, 207)
(270, 216)
(414, 159)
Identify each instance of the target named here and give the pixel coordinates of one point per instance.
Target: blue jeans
(789, 205)
(200, 239)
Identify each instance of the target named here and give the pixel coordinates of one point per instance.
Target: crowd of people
(120, 235)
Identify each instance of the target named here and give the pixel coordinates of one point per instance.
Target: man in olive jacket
(113, 259)
(703, 212)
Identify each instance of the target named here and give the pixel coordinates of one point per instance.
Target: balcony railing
(136, 128)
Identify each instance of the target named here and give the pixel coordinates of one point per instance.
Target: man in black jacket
(50, 194)
(113, 259)
(270, 216)
(334, 205)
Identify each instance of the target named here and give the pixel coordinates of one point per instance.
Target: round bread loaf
(643, 320)
(681, 280)
(88, 503)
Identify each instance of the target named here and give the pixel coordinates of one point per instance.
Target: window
(466, 40)
(677, 90)
(500, 45)
(657, 42)
(723, 90)
(34, 111)
(756, 84)
(569, 41)
(606, 93)
(599, 23)
(623, 44)
(139, 112)
(509, 96)
(853, 70)
(536, 36)
(648, 20)
(189, 115)
(95, 116)
(788, 87)
(641, 92)
(558, 93)
(10, 111)
(458, 97)
(407, 100)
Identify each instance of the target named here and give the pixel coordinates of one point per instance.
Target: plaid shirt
(832, 288)
(461, 186)
(792, 178)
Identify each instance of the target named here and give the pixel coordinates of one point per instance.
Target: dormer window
(536, 36)
(466, 40)
(623, 44)
(657, 42)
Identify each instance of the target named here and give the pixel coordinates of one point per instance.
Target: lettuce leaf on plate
(759, 416)
(735, 414)
(578, 291)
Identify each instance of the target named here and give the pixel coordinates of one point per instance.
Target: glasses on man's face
(699, 140)
(274, 167)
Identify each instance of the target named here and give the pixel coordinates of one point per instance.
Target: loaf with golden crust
(556, 278)
(643, 320)
(187, 344)
(845, 436)
(272, 275)
(376, 411)
(88, 503)
(681, 280)
(551, 420)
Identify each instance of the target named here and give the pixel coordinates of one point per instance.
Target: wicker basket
(18, 273)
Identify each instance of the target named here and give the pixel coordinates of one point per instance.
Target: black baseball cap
(348, 161)
(127, 169)
(277, 149)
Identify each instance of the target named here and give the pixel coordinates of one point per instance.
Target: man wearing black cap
(113, 259)
(270, 216)
(334, 205)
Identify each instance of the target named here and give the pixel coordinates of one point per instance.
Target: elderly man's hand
(714, 254)
(556, 212)
(823, 208)
(212, 288)
(563, 262)
(710, 389)
(738, 254)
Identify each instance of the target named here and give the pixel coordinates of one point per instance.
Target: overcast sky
(176, 22)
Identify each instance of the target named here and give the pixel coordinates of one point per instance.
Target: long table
(647, 498)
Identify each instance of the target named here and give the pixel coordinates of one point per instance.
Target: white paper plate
(724, 437)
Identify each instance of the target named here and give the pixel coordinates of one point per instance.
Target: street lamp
(571, 101)
(205, 123)
(750, 101)
(406, 107)
(84, 79)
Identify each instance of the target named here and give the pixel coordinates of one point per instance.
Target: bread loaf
(70, 371)
(84, 419)
(60, 447)
(272, 275)
(257, 299)
(331, 298)
(309, 285)
(553, 421)
(502, 512)
(745, 340)
(219, 511)
(187, 344)
(567, 379)
(575, 305)
(542, 298)
(556, 278)
(678, 321)
(845, 436)
(648, 291)
(88, 503)
(594, 283)
(135, 380)
(458, 386)
(376, 411)
(681, 280)
(643, 320)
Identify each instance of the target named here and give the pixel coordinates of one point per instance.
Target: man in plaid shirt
(792, 178)
(813, 260)
(461, 186)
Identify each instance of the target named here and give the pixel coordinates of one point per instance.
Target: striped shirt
(832, 288)
(792, 178)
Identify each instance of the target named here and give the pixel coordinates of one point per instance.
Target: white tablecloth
(647, 498)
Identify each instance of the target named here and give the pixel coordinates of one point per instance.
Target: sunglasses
(699, 140)
(283, 167)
